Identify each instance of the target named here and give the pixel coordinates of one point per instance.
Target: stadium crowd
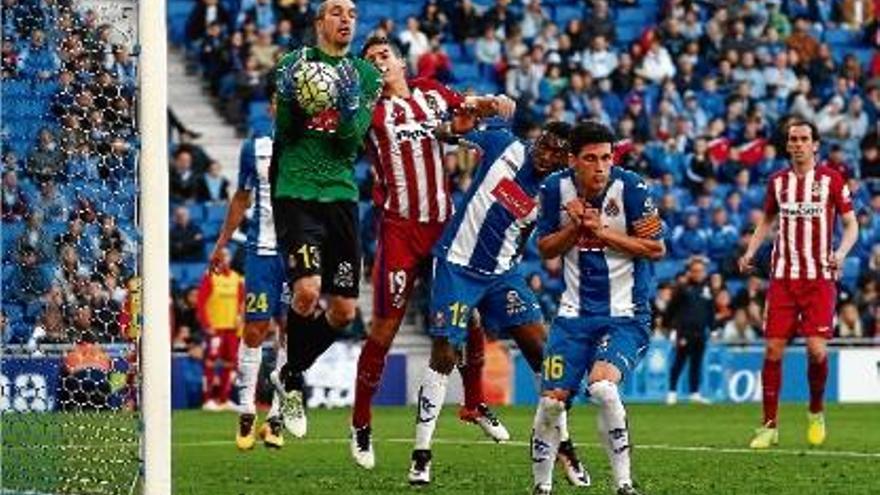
(69, 170)
(694, 90)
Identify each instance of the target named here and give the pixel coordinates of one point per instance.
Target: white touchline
(636, 447)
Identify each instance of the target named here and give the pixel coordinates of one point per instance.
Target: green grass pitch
(683, 449)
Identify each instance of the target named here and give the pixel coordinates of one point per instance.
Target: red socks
(817, 373)
(226, 374)
(771, 376)
(369, 374)
(472, 371)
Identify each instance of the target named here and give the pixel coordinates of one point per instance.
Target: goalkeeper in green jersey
(325, 102)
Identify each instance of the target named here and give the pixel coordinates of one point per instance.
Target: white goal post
(156, 339)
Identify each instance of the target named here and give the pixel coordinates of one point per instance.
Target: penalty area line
(516, 443)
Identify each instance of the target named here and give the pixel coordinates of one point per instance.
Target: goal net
(71, 248)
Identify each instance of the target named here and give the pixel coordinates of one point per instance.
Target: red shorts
(223, 345)
(404, 249)
(805, 305)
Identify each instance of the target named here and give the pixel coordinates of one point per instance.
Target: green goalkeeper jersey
(317, 153)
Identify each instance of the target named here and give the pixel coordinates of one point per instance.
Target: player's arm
(240, 201)
(557, 241)
(490, 105)
(643, 237)
(641, 245)
(771, 210)
(289, 117)
(847, 241)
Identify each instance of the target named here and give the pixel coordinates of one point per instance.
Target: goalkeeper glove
(349, 89)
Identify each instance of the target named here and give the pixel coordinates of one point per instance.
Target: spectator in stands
(300, 15)
(523, 79)
(500, 18)
(599, 60)
(211, 55)
(122, 68)
(689, 239)
(15, 203)
(738, 330)
(414, 43)
(435, 64)
(802, 41)
(187, 241)
(213, 186)
(723, 237)
(870, 162)
(466, 21)
(27, 280)
(849, 323)
(598, 23)
(47, 161)
(10, 59)
(35, 237)
(261, 14)
(487, 51)
(39, 59)
(85, 384)
(184, 181)
(264, 52)
(533, 20)
(657, 64)
(69, 270)
(723, 306)
(692, 314)
(189, 332)
(433, 20)
(51, 203)
(202, 15)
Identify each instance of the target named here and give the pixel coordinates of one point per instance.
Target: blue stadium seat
(564, 13)
(627, 33)
(842, 37)
(10, 232)
(215, 212)
(852, 268)
(13, 311)
(187, 274)
(667, 269)
(402, 10)
(642, 17)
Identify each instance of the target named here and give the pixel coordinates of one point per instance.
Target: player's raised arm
(553, 240)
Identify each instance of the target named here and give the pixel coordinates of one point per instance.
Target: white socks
(280, 360)
(249, 360)
(432, 393)
(545, 440)
(613, 430)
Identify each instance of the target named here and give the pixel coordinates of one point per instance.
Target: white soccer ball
(315, 86)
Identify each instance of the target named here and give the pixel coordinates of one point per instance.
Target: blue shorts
(576, 343)
(504, 301)
(265, 285)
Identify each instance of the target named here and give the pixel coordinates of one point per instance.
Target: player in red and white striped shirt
(412, 193)
(803, 272)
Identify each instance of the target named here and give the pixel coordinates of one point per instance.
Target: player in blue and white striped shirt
(267, 297)
(475, 267)
(601, 220)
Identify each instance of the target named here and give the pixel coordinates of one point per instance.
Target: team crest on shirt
(344, 276)
(816, 191)
(612, 209)
(439, 319)
(515, 304)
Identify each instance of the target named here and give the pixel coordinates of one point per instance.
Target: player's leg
(394, 273)
(454, 293)
(617, 354)
(212, 353)
(272, 431)
(675, 372)
(261, 301)
(781, 322)
(565, 361)
(300, 231)
(818, 316)
(228, 364)
(475, 410)
(696, 349)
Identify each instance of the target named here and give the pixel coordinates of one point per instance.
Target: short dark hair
(377, 40)
(798, 122)
(590, 132)
(559, 129)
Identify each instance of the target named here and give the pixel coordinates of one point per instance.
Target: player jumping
(412, 193)
(602, 222)
(475, 267)
(803, 272)
(315, 195)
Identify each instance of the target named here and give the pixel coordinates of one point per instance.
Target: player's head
(385, 55)
(551, 150)
(592, 147)
(801, 141)
(334, 25)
